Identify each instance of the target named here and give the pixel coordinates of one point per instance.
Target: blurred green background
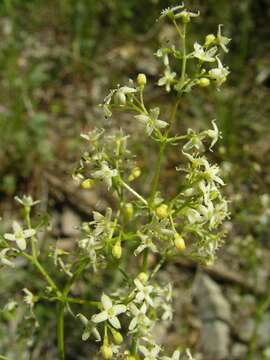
(58, 58)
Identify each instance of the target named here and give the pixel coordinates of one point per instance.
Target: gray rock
(70, 223)
(211, 304)
(239, 351)
(214, 340)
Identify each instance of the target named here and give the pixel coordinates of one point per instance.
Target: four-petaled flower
(219, 74)
(175, 356)
(110, 312)
(167, 79)
(151, 121)
(19, 235)
(140, 318)
(143, 292)
(222, 41)
(150, 354)
(204, 55)
(106, 174)
(213, 134)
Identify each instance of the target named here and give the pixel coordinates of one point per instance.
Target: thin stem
(132, 191)
(60, 330)
(157, 173)
(33, 239)
(184, 60)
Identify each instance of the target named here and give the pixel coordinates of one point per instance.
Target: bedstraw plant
(143, 230)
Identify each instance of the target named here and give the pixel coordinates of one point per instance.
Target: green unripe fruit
(106, 352)
(203, 82)
(135, 173)
(87, 184)
(128, 211)
(179, 242)
(117, 337)
(162, 211)
(117, 250)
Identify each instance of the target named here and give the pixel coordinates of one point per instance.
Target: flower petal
(119, 309)
(29, 233)
(102, 316)
(10, 237)
(115, 322)
(106, 301)
(21, 243)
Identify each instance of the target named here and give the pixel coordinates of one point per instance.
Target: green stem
(33, 239)
(157, 173)
(60, 330)
(132, 191)
(184, 60)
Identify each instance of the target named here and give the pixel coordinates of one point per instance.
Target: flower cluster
(144, 227)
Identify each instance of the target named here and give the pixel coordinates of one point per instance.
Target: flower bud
(135, 173)
(203, 82)
(143, 277)
(209, 39)
(117, 337)
(128, 211)
(120, 98)
(117, 250)
(162, 211)
(179, 242)
(87, 184)
(106, 351)
(141, 80)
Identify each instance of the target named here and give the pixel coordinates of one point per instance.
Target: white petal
(10, 237)
(106, 301)
(133, 324)
(16, 226)
(21, 243)
(119, 309)
(102, 316)
(138, 284)
(115, 322)
(29, 233)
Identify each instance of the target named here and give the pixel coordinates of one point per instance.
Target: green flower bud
(143, 277)
(141, 80)
(128, 211)
(117, 250)
(203, 82)
(162, 211)
(87, 184)
(106, 352)
(209, 39)
(179, 242)
(135, 173)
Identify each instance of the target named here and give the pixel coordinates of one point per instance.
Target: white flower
(26, 201)
(146, 242)
(110, 312)
(106, 174)
(213, 134)
(171, 10)
(204, 55)
(167, 79)
(150, 354)
(19, 235)
(139, 317)
(195, 141)
(143, 292)
(29, 297)
(185, 15)
(219, 74)
(4, 259)
(222, 41)
(151, 121)
(89, 329)
(211, 173)
(175, 356)
(193, 216)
